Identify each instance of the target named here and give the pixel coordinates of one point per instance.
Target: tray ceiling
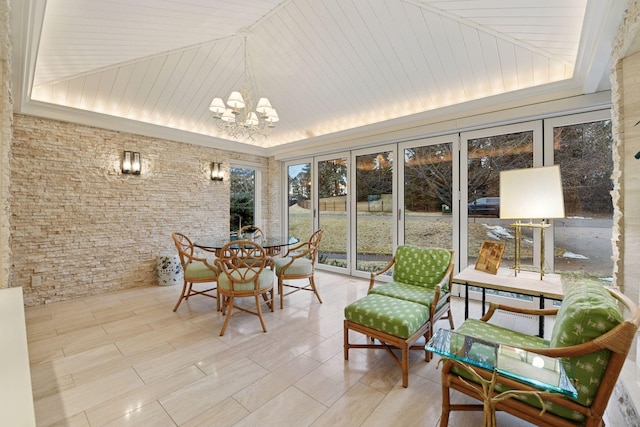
(327, 66)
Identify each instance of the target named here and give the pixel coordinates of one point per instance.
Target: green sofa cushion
(391, 315)
(198, 270)
(404, 291)
(588, 310)
(420, 266)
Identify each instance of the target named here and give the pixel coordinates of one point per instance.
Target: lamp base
(517, 265)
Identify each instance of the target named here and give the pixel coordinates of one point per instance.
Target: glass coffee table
(546, 374)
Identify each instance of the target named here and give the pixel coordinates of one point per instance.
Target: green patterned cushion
(420, 266)
(588, 310)
(265, 280)
(493, 333)
(199, 270)
(407, 292)
(300, 266)
(394, 316)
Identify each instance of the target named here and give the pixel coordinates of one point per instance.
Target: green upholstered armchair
(592, 335)
(420, 275)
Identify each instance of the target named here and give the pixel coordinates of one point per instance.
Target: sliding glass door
(427, 193)
(333, 211)
(486, 153)
(581, 144)
(375, 218)
(300, 208)
(445, 191)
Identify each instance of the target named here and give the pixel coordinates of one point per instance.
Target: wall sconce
(131, 163)
(216, 172)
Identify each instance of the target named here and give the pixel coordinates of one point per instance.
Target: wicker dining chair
(242, 274)
(250, 229)
(195, 270)
(299, 263)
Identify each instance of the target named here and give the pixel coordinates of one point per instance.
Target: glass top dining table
(272, 244)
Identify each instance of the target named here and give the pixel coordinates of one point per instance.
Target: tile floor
(125, 359)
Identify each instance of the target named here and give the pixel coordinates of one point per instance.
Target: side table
(525, 283)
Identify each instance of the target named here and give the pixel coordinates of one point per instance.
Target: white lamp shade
(252, 120)
(235, 100)
(533, 193)
(228, 116)
(263, 106)
(272, 115)
(217, 106)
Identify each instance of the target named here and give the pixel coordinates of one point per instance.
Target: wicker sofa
(400, 312)
(590, 333)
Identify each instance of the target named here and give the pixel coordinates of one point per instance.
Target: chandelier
(237, 118)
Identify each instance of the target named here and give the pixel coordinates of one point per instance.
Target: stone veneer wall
(80, 227)
(625, 112)
(625, 93)
(6, 108)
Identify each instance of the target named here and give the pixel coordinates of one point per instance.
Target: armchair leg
(446, 406)
(186, 289)
(229, 306)
(264, 328)
(313, 286)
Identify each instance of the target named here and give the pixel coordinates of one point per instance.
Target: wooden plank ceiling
(325, 65)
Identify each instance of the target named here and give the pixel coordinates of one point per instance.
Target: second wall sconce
(131, 163)
(216, 172)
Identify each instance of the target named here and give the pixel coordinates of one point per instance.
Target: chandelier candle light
(237, 119)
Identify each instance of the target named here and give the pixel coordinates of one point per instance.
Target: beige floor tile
(290, 407)
(151, 414)
(328, 348)
(86, 360)
(78, 420)
(269, 386)
(384, 376)
(69, 402)
(45, 384)
(101, 339)
(46, 348)
(417, 405)
(91, 374)
(352, 409)
(40, 328)
(152, 369)
(153, 337)
(197, 397)
(289, 348)
(126, 358)
(225, 414)
(332, 379)
(121, 407)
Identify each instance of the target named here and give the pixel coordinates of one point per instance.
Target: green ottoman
(395, 323)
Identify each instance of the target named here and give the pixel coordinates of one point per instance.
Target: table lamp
(531, 194)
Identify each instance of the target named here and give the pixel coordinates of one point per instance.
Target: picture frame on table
(490, 256)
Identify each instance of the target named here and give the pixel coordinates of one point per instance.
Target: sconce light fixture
(216, 172)
(131, 163)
